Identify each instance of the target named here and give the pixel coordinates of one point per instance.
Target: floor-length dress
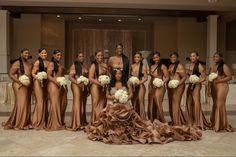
(98, 96)
(40, 113)
(58, 102)
(20, 116)
(219, 118)
(155, 98)
(175, 97)
(195, 115)
(120, 124)
(78, 120)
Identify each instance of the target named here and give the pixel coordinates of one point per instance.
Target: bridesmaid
(177, 72)
(80, 93)
(98, 93)
(57, 94)
(140, 71)
(20, 115)
(219, 89)
(156, 95)
(40, 114)
(119, 61)
(194, 109)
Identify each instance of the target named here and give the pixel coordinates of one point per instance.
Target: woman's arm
(182, 74)
(166, 74)
(35, 69)
(203, 74)
(144, 78)
(130, 92)
(50, 72)
(227, 77)
(13, 71)
(109, 96)
(92, 74)
(72, 74)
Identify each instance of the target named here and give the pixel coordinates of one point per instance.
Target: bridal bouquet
(158, 82)
(104, 80)
(134, 81)
(83, 80)
(62, 81)
(213, 76)
(173, 83)
(121, 96)
(24, 80)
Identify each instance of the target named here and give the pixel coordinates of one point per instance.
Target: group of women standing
(51, 98)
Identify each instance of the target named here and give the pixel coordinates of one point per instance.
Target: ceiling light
(100, 20)
(80, 18)
(139, 19)
(119, 20)
(212, 1)
(58, 16)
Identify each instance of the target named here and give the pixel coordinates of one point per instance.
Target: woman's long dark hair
(125, 61)
(78, 66)
(41, 64)
(158, 68)
(113, 78)
(220, 67)
(176, 63)
(140, 71)
(196, 65)
(96, 64)
(55, 63)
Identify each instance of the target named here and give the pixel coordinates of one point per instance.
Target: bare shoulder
(16, 64)
(36, 63)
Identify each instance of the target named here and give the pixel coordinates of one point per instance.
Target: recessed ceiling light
(139, 19)
(80, 18)
(58, 16)
(99, 19)
(119, 20)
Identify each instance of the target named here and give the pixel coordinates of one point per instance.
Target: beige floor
(67, 143)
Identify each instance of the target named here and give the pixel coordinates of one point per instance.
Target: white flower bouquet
(193, 79)
(157, 82)
(121, 96)
(173, 83)
(83, 80)
(62, 81)
(213, 76)
(24, 80)
(134, 81)
(104, 80)
(41, 76)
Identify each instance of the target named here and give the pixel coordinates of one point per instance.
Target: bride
(119, 124)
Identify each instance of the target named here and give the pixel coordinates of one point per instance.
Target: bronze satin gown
(20, 116)
(219, 118)
(138, 95)
(40, 114)
(120, 124)
(58, 103)
(195, 114)
(155, 99)
(78, 118)
(98, 96)
(175, 96)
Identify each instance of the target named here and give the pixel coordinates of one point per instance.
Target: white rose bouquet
(104, 80)
(41, 76)
(62, 81)
(173, 83)
(134, 81)
(157, 83)
(193, 79)
(24, 80)
(83, 80)
(213, 76)
(121, 96)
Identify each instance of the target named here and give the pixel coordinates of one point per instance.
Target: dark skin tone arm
(227, 74)
(203, 74)
(92, 74)
(50, 72)
(35, 68)
(13, 71)
(166, 74)
(182, 74)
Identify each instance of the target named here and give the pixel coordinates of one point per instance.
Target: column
(4, 41)
(211, 39)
